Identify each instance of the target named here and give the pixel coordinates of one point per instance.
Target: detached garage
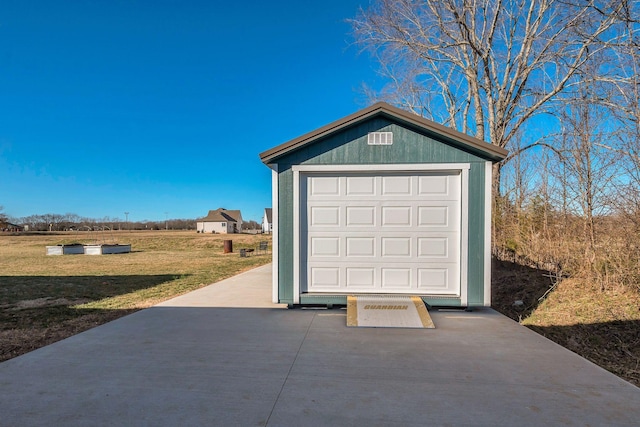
(382, 202)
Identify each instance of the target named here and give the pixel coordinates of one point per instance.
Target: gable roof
(268, 213)
(7, 224)
(221, 215)
(490, 151)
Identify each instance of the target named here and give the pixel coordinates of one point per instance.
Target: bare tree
(484, 66)
(624, 104)
(589, 168)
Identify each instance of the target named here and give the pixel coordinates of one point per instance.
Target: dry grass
(47, 298)
(601, 325)
(595, 308)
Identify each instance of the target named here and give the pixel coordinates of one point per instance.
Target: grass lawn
(44, 299)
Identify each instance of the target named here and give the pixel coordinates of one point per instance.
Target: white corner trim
(296, 236)
(275, 297)
(488, 175)
(464, 236)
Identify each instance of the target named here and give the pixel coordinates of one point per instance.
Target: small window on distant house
(224, 224)
(380, 138)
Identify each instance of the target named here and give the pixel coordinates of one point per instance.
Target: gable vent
(380, 138)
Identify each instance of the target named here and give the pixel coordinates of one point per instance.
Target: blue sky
(150, 107)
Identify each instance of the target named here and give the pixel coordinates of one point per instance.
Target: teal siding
(475, 271)
(350, 146)
(285, 236)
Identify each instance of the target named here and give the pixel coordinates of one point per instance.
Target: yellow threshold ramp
(387, 311)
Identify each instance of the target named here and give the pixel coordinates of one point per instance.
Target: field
(44, 299)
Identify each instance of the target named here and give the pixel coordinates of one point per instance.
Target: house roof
(6, 224)
(492, 152)
(268, 212)
(222, 215)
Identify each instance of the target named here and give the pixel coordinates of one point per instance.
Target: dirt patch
(517, 290)
(14, 342)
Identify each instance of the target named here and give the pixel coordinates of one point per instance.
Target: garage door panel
(396, 247)
(360, 185)
(324, 186)
(438, 279)
(395, 216)
(360, 216)
(429, 186)
(433, 216)
(360, 247)
(443, 215)
(396, 185)
(325, 278)
(324, 216)
(388, 233)
(433, 185)
(428, 215)
(399, 246)
(362, 278)
(440, 247)
(325, 247)
(396, 278)
(438, 187)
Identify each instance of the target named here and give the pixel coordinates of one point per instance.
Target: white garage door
(382, 233)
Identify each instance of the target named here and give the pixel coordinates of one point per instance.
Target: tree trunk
(495, 179)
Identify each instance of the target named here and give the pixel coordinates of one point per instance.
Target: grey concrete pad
(236, 291)
(201, 360)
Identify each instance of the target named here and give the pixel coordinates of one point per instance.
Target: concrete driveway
(225, 356)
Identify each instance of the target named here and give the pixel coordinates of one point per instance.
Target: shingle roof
(487, 150)
(267, 212)
(222, 215)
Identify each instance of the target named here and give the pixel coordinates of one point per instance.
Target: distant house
(267, 222)
(221, 221)
(7, 226)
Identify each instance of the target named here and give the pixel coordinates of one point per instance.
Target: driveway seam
(290, 369)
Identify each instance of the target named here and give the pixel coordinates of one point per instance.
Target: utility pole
(166, 220)
(126, 220)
